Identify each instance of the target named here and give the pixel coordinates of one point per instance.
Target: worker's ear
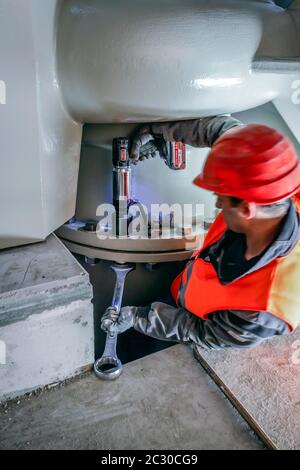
(248, 210)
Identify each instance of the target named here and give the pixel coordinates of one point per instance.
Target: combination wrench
(109, 366)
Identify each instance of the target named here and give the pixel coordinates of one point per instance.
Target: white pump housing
(69, 62)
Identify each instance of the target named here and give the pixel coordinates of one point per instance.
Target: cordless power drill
(173, 153)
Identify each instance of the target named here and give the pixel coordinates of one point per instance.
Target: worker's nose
(218, 203)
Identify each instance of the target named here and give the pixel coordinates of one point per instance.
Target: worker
(242, 285)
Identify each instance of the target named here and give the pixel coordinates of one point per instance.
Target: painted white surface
(291, 113)
(39, 141)
(132, 61)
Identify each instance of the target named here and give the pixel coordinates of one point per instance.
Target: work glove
(145, 145)
(113, 322)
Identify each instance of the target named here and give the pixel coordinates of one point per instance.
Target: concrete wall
(46, 317)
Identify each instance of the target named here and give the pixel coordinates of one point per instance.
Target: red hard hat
(252, 162)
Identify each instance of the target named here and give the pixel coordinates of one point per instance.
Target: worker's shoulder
(288, 267)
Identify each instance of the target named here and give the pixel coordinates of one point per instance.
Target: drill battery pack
(173, 153)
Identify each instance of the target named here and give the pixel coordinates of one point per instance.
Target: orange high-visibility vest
(274, 288)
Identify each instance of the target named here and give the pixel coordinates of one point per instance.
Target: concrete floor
(265, 382)
(162, 401)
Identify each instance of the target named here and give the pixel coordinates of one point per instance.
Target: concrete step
(162, 401)
(46, 317)
(264, 384)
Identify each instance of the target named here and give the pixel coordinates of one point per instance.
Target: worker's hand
(114, 323)
(143, 145)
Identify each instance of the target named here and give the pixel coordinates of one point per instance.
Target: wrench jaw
(108, 368)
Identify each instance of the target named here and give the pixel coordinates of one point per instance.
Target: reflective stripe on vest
(274, 288)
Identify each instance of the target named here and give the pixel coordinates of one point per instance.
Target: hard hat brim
(270, 193)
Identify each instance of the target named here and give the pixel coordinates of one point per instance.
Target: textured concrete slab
(163, 401)
(46, 317)
(35, 277)
(264, 382)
